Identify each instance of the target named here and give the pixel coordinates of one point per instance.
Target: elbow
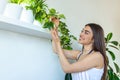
(67, 69)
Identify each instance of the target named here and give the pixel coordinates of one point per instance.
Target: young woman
(91, 61)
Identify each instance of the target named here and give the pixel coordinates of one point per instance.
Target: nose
(81, 34)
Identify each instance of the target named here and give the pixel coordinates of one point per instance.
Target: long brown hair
(99, 43)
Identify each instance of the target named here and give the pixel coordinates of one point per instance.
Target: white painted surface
(13, 11)
(22, 27)
(2, 5)
(26, 15)
(24, 57)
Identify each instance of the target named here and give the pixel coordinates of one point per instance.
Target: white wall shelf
(22, 27)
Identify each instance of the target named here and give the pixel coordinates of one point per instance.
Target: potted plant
(39, 8)
(13, 9)
(27, 14)
(110, 45)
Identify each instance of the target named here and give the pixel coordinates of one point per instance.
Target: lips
(81, 38)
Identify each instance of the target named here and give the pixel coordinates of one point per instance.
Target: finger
(52, 33)
(56, 34)
(56, 29)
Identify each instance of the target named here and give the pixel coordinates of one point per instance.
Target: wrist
(60, 51)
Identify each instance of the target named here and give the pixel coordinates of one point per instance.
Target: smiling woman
(91, 62)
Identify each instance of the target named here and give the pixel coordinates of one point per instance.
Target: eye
(86, 32)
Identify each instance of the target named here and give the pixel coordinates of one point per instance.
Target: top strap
(82, 53)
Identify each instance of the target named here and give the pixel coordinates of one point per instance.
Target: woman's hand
(56, 40)
(55, 21)
(55, 36)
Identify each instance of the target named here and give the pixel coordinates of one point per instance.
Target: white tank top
(91, 74)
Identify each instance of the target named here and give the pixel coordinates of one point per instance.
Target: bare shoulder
(98, 58)
(97, 55)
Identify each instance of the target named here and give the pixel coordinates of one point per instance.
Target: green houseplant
(110, 45)
(39, 8)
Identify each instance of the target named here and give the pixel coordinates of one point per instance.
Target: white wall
(80, 12)
(24, 57)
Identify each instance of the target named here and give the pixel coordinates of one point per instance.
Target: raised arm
(70, 54)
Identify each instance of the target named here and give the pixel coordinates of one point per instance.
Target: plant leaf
(115, 77)
(60, 16)
(48, 25)
(114, 42)
(112, 55)
(110, 74)
(110, 68)
(109, 36)
(73, 37)
(113, 47)
(52, 11)
(117, 68)
(119, 45)
(105, 39)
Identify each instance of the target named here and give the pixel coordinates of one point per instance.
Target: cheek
(88, 40)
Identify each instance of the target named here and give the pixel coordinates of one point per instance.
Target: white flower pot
(13, 11)
(38, 24)
(26, 15)
(2, 5)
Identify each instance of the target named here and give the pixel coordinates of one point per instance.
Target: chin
(80, 42)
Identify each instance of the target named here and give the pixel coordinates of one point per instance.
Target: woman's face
(86, 36)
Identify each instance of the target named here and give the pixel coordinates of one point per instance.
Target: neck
(87, 48)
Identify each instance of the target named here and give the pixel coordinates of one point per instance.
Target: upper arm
(71, 54)
(88, 62)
